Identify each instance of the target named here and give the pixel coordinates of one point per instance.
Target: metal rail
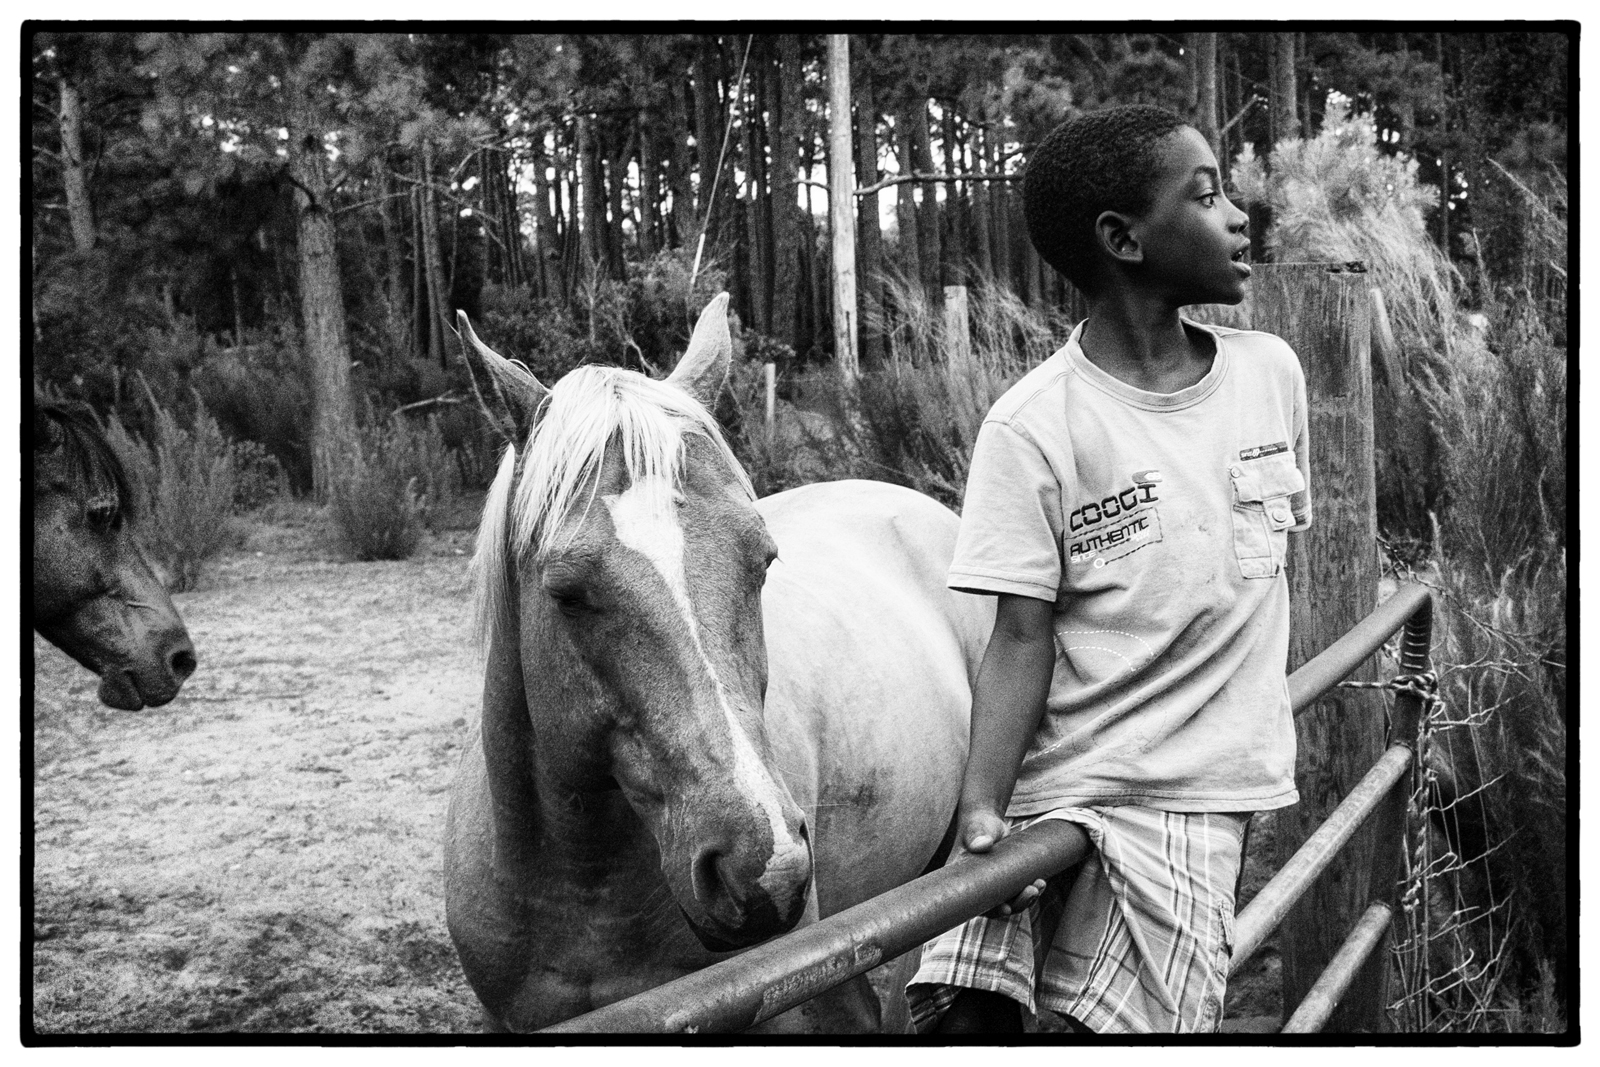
(771, 978)
(1324, 996)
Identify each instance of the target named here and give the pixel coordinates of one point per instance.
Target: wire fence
(1452, 937)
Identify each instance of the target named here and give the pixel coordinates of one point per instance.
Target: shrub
(258, 391)
(188, 478)
(399, 478)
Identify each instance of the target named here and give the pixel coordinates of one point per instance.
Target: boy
(1128, 503)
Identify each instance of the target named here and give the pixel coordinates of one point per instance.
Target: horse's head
(94, 595)
(623, 548)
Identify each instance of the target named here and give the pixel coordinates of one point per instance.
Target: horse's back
(870, 664)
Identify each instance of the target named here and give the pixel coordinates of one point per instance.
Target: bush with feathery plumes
(187, 478)
(397, 479)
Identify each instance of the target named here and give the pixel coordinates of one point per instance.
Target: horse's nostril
(705, 876)
(182, 663)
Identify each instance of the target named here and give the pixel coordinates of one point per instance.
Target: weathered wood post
(1333, 584)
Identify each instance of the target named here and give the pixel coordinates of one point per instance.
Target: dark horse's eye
(103, 517)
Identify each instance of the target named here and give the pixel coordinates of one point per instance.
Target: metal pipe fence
(771, 978)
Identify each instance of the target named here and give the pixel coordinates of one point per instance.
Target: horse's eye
(570, 600)
(103, 517)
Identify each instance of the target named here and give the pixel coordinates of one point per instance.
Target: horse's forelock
(96, 471)
(586, 410)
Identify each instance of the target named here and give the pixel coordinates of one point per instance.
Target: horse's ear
(507, 391)
(704, 366)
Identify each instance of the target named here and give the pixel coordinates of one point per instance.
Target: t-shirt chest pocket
(1262, 513)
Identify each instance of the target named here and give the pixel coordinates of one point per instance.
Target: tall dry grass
(914, 419)
(1485, 386)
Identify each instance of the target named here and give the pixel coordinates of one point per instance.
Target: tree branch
(914, 177)
(1248, 104)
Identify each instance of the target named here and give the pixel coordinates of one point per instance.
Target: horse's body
(94, 595)
(674, 761)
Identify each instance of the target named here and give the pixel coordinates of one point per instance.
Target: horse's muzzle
(735, 910)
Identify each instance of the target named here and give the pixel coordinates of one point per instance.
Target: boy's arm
(1007, 702)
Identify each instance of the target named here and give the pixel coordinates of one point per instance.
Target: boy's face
(1192, 237)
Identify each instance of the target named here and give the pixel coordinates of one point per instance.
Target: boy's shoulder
(1025, 396)
(1256, 344)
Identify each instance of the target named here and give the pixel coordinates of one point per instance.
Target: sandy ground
(264, 854)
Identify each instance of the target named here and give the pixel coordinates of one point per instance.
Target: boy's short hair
(1097, 161)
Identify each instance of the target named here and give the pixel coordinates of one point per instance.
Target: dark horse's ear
(704, 366)
(507, 391)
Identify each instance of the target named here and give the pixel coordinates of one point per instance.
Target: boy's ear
(1114, 233)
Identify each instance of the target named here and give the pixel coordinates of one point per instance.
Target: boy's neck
(1145, 345)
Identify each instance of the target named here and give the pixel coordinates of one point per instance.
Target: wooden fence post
(1333, 584)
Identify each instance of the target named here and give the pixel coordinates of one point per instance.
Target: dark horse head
(94, 595)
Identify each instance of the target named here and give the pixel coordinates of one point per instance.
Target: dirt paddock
(264, 855)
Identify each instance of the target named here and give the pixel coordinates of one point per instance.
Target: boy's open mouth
(1240, 259)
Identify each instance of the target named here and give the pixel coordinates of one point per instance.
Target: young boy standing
(1128, 505)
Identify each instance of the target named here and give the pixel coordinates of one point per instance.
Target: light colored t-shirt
(1157, 526)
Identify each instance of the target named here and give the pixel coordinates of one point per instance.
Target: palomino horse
(94, 596)
(706, 718)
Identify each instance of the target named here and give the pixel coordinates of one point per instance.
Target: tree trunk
(438, 295)
(79, 211)
(760, 274)
(327, 346)
(1203, 46)
(707, 134)
(999, 210)
(681, 167)
(397, 323)
(928, 209)
(869, 275)
(616, 175)
(592, 224)
(953, 269)
(1283, 94)
(841, 206)
(649, 185)
(551, 281)
(978, 215)
(905, 204)
(788, 261)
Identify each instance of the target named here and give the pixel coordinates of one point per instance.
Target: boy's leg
(978, 1011)
(990, 957)
(1145, 942)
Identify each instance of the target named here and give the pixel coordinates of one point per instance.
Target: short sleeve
(1300, 503)
(1010, 539)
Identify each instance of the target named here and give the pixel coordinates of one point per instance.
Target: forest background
(247, 249)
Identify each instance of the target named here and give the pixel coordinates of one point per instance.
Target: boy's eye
(1209, 199)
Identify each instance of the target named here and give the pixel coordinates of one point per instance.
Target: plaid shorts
(1143, 943)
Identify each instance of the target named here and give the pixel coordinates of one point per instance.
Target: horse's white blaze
(645, 520)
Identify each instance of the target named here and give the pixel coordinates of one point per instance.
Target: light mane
(584, 412)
